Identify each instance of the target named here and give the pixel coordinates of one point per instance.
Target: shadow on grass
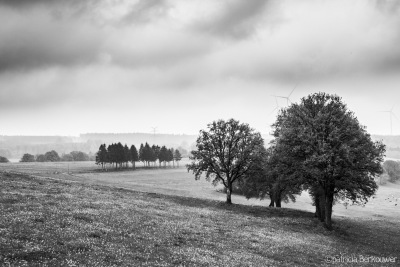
(254, 211)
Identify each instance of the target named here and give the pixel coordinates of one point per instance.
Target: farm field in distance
(48, 222)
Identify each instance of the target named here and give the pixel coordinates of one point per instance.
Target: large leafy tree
(226, 152)
(333, 155)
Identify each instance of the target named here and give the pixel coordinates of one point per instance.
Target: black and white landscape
(199, 133)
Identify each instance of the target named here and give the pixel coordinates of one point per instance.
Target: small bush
(3, 160)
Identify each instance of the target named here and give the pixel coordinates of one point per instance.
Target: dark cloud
(47, 36)
(141, 35)
(32, 3)
(49, 44)
(145, 11)
(236, 19)
(58, 8)
(388, 6)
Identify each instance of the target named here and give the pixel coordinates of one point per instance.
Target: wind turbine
(287, 97)
(391, 115)
(276, 108)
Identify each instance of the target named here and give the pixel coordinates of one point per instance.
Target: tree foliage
(67, 157)
(27, 158)
(79, 156)
(272, 177)
(40, 158)
(3, 160)
(118, 154)
(331, 152)
(134, 155)
(392, 168)
(226, 152)
(177, 156)
(51, 156)
(102, 156)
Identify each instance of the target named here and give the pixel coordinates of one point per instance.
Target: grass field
(50, 167)
(64, 223)
(177, 181)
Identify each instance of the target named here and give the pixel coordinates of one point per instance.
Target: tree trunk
(271, 196)
(278, 199)
(322, 207)
(317, 208)
(272, 203)
(319, 201)
(229, 193)
(328, 210)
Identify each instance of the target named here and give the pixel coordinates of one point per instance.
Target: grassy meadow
(177, 181)
(50, 167)
(51, 222)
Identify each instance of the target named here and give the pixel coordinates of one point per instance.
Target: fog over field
(72, 67)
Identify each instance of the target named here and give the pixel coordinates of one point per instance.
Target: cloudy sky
(70, 67)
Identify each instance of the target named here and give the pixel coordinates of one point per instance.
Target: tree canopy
(273, 176)
(118, 154)
(226, 152)
(27, 158)
(392, 168)
(52, 156)
(330, 151)
(3, 160)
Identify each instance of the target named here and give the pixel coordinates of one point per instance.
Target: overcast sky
(70, 67)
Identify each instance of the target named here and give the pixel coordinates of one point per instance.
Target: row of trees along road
(119, 155)
(318, 146)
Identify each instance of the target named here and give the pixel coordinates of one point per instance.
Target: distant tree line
(52, 156)
(120, 155)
